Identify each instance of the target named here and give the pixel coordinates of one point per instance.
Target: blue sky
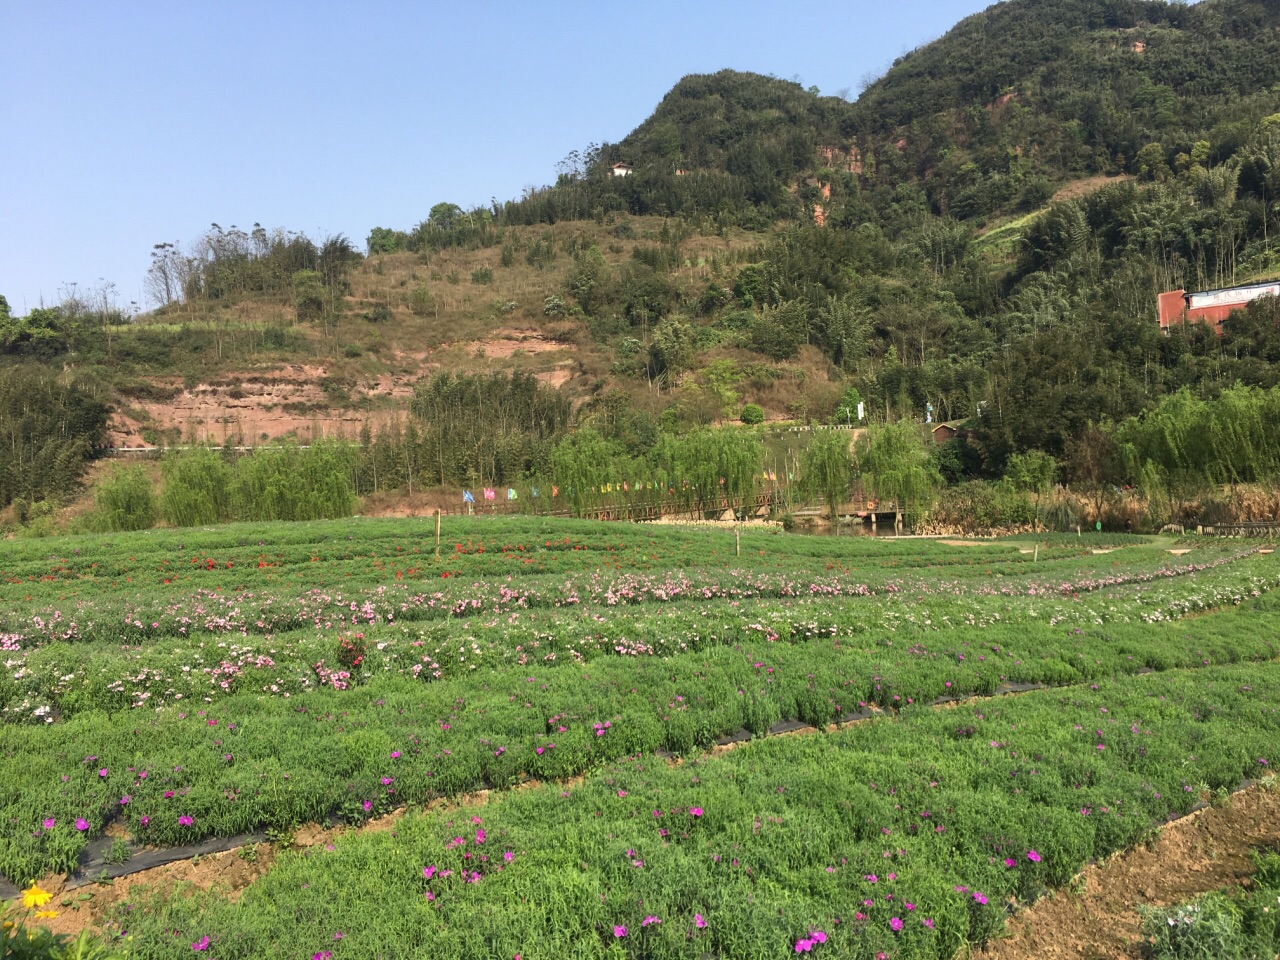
(129, 123)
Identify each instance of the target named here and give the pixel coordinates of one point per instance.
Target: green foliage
(485, 428)
(827, 470)
(309, 302)
(894, 461)
(385, 240)
(752, 414)
(48, 430)
(197, 488)
(295, 483)
(125, 500)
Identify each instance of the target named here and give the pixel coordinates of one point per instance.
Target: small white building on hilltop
(621, 169)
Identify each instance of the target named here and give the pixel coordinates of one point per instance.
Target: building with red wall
(1211, 306)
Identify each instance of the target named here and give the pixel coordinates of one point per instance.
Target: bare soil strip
(1097, 917)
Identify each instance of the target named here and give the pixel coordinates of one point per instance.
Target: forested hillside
(983, 231)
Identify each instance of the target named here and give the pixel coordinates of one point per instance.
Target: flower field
(172, 686)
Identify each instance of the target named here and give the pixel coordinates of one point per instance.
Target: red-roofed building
(1211, 306)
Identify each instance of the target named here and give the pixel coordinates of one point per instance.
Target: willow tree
(583, 463)
(894, 460)
(705, 467)
(826, 469)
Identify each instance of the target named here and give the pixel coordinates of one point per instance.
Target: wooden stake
(437, 534)
(737, 542)
(1036, 557)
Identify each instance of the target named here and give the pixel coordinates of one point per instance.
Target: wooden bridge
(1266, 529)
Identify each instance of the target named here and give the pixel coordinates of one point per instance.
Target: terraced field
(519, 748)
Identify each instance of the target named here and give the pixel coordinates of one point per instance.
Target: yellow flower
(46, 914)
(33, 896)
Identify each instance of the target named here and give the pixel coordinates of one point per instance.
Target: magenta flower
(102, 772)
(695, 812)
(144, 821)
(622, 793)
(648, 920)
(1033, 856)
(1010, 862)
(817, 936)
(201, 944)
(508, 856)
(980, 898)
(538, 750)
(619, 931)
(428, 872)
(895, 924)
(82, 824)
(928, 923)
(479, 836)
(50, 823)
(804, 945)
(322, 955)
(698, 921)
(339, 935)
(185, 821)
(124, 801)
(395, 754)
(387, 781)
(368, 805)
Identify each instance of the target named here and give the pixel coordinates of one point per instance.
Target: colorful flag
(511, 493)
(555, 491)
(467, 497)
(489, 493)
(534, 493)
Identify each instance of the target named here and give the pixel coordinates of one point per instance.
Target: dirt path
(1098, 918)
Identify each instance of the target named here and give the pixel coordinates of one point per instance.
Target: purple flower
(619, 931)
(980, 898)
(185, 821)
(695, 812)
(102, 772)
(804, 945)
(1033, 856)
(124, 801)
(395, 754)
(648, 920)
(82, 824)
(339, 935)
(508, 856)
(368, 805)
(698, 921)
(1010, 862)
(201, 944)
(50, 823)
(144, 821)
(818, 936)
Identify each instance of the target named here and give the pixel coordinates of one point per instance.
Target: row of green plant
(909, 837)
(267, 734)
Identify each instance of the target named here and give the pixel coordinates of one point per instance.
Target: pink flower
(927, 922)
(124, 801)
(144, 821)
(368, 805)
(185, 821)
(479, 836)
(980, 898)
(201, 944)
(428, 872)
(1033, 856)
(621, 793)
(395, 754)
(50, 823)
(698, 921)
(695, 812)
(804, 945)
(648, 920)
(1010, 862)
(619, 931)
(896, 924)
(508, 856)
(102, 772)
(818, 936)
(82, 824)
(538, 750)
(430, 896)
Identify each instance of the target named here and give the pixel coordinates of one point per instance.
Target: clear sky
(129, 123)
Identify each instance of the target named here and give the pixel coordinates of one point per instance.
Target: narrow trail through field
(1098, 916)
(232, 864)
